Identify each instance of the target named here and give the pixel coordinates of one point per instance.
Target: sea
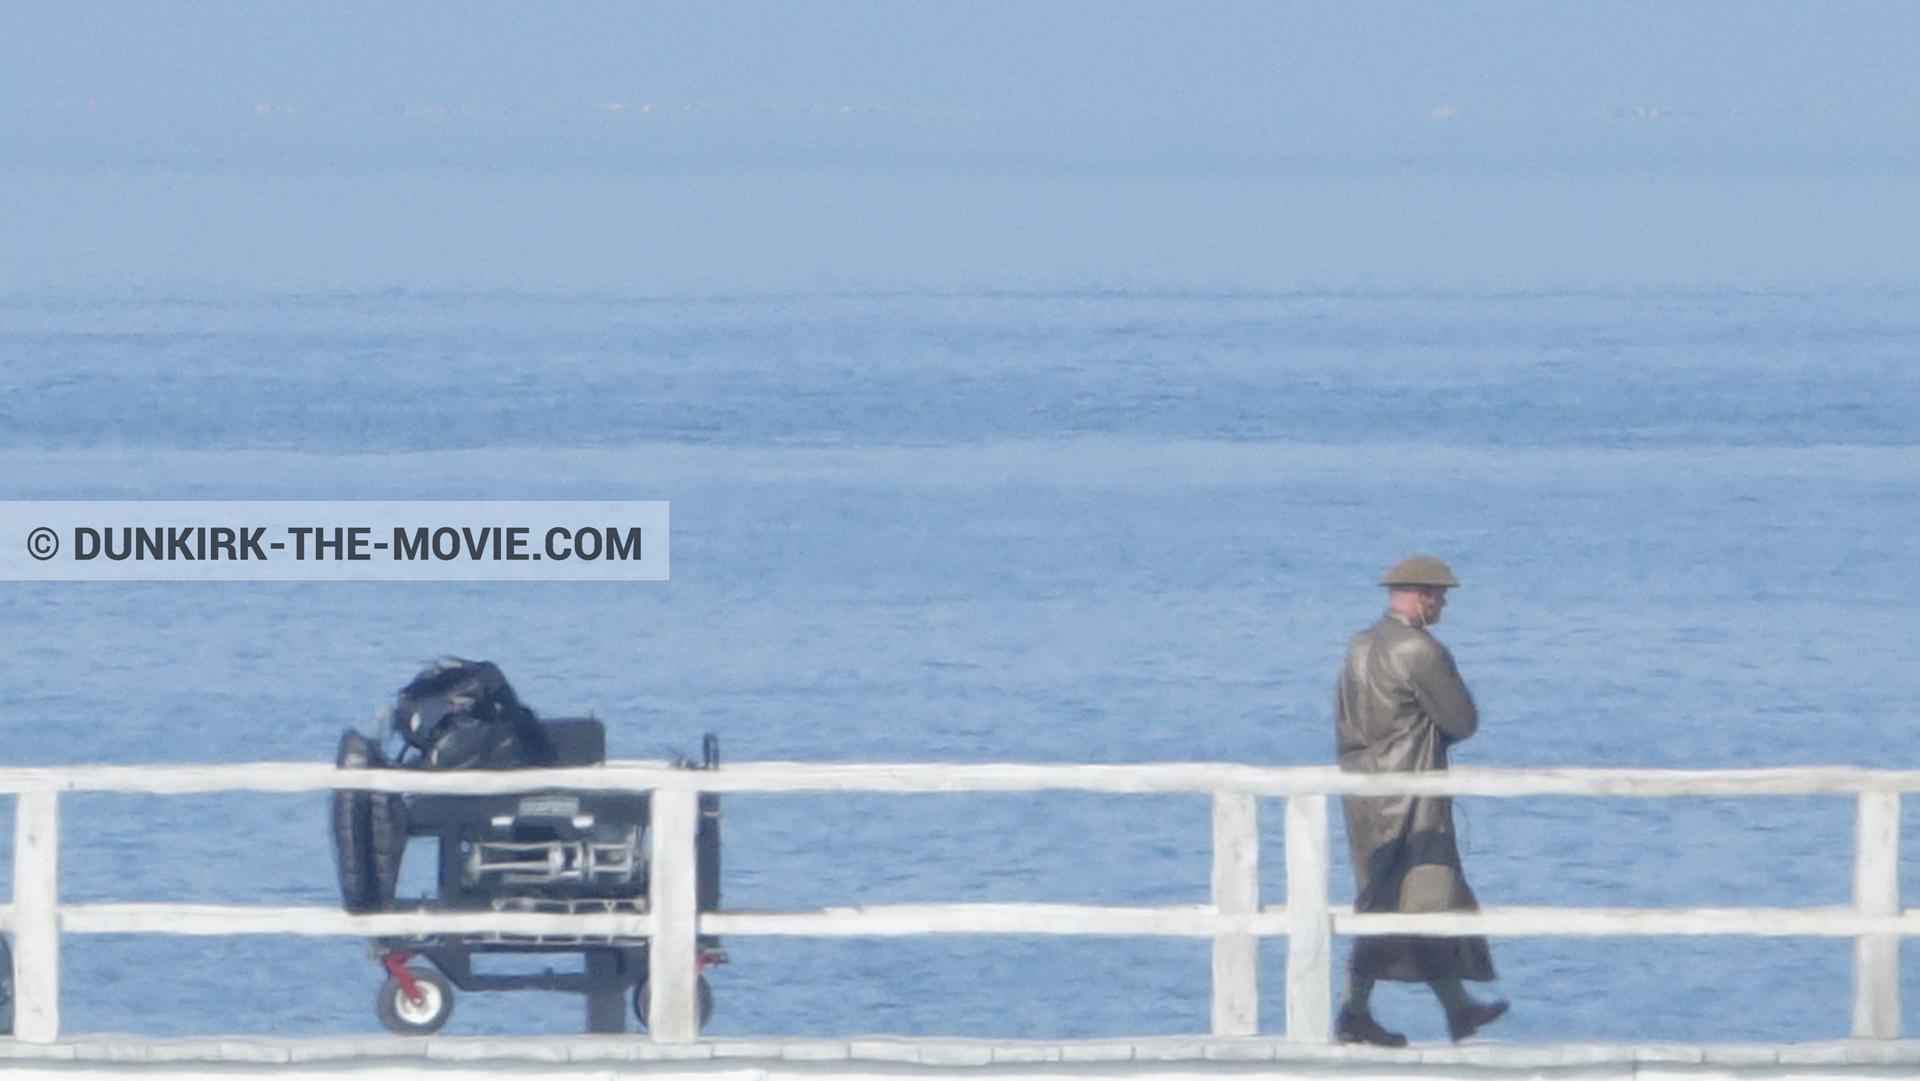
(1005, 527)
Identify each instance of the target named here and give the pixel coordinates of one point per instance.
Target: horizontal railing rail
(1234, 918)
(1143, 777)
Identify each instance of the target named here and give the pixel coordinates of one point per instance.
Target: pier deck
(377, 1057)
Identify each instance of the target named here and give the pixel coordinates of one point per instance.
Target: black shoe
(1469, 1019)
(1362, 1028)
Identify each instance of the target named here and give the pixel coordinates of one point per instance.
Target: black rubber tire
(387, 837)
(702, 994)
(408, 1018)
(369, 832)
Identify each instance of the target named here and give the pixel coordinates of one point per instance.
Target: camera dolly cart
(539, 851)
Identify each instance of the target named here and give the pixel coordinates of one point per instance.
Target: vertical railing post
(36, 917)
(673, 1013)
(1236, 892)
(1876, 892)
(1309, 925)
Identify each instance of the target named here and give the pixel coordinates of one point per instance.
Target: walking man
(1399, 706)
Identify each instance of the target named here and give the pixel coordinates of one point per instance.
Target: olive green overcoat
(1399, 706)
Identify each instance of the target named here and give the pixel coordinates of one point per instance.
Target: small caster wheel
(411, 1017)
(702, 994)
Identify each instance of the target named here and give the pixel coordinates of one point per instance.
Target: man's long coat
(1399, 706)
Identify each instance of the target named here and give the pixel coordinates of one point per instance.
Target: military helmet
(1419, 570)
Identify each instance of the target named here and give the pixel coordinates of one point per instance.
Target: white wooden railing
(1234, 919)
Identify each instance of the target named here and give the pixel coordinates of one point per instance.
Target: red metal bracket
(396, 965)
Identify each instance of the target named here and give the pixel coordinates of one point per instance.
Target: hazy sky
(726, 147)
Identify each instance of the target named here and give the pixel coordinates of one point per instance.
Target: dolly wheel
(702, 994)
(409, 1016)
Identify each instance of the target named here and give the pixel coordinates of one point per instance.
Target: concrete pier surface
(469, 1058)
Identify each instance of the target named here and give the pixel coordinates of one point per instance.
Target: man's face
(1432, 599)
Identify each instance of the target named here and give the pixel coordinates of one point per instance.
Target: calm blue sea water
(1006, 527)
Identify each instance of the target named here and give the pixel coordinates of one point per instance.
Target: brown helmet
(1419, 570)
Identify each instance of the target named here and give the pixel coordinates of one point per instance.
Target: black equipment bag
(461, 714)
